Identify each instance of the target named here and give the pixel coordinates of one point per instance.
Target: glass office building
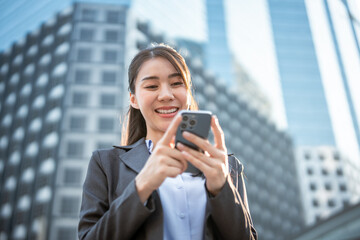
(303, 92)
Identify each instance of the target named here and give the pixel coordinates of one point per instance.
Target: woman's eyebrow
(150, 78)
(174, 75)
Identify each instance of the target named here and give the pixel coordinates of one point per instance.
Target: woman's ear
(133, 101)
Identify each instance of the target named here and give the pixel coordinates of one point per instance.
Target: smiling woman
(141, 190)
(162, 93)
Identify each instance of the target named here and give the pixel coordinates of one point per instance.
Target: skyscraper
(61, 95)
(217, 53)
(304, 97)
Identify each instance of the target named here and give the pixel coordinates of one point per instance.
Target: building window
(328, 186)
(84, 54)
(313, 186)
(111, 36)
(109, 77)
(331, 203)
(343, 187)
(325, 172)
(82, 76)
(86, 34)
(72, 176)
(339, 172)
(307, 155)
(66, 233)
(77, 123)
(75, 148)
(107, 100)
(69, 205)
(110, 56)
(106, 124)
(336, 156)
(321, 156)
(310, 171)
(88, 15)
(79, 99)
(112, 16)
(315, 202)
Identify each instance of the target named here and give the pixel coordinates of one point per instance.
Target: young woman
(140, 190)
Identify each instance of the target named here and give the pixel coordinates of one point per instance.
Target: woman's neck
(154, 137)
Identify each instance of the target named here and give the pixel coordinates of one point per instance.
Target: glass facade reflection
(304, 98)
(217, 54)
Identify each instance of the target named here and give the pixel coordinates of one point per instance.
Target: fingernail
(185, 133)
(179, 145)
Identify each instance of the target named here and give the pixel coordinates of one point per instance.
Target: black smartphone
(196, 122)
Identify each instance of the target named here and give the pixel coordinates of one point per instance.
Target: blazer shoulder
(105, 156)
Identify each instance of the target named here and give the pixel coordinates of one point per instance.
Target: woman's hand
(165, 161)
(214, 162)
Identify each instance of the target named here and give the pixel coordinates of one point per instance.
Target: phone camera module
(192, 122)
(185, 118)
(183, 125)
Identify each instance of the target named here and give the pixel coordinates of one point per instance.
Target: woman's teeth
(166, 111)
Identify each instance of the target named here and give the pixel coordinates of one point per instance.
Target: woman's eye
(151, 87)
(177, 83)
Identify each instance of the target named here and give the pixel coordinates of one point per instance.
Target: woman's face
(160, 93)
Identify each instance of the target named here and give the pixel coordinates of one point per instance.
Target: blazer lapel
(136, 156)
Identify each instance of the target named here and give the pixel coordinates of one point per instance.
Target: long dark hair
(134, 127)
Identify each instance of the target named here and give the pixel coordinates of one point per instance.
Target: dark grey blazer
(111, 208)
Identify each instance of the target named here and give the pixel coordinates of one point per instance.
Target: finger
(202, 143)
(171, 171)
(202, 166)
(219, 137)
(196, 154)
(171, 130)
(178, 157)
(171, 156)
(172, 142)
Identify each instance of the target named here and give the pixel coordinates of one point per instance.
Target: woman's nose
(165, 94)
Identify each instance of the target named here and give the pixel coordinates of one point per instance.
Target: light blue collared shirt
(183, 200)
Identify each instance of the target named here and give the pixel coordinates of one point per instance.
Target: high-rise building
(18, 17)
(304, 96)
(61, 97)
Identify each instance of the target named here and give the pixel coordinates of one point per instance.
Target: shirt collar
(149, 145)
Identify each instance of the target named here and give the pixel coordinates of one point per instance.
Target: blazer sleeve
(229, 210)
(100, 219)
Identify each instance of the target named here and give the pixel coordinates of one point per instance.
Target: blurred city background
(282, 76)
